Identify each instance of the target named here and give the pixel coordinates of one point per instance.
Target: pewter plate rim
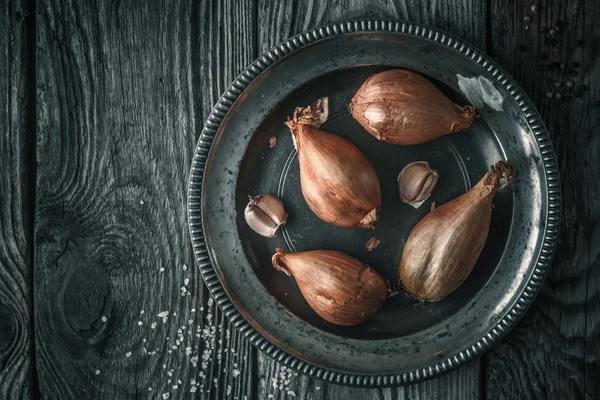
(303, 40)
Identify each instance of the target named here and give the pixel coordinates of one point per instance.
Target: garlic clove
(265, 214)
(416, 182)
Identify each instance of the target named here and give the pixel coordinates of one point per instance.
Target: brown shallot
(402, 107)
(340, 288)
(338, 181)
(443, 247)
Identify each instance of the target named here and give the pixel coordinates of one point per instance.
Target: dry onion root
(338, 182)
(443, 247)
(340, 288)
(401, 107)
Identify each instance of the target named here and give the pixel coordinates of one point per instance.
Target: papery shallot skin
(340, 288)
(402, 107)
(443, 247)
(338, 182)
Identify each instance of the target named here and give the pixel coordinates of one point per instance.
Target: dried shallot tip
(265, 214)
(443, 247)
(372, 243)
(272, 142)
(338, 182)
(339, 288)
(416, 181)
(402, 107)
(315, 114)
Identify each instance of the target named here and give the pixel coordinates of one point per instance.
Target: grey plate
(403, 343)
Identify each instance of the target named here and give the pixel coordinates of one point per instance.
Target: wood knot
(85, 291)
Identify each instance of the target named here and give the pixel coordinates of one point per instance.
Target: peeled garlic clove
(338, 182)
(265, 214)
(416, 182)
(340, 288)
(401, 107)
(443, 247)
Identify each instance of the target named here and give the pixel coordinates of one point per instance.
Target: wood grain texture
(15, 202)
(282, 19)
(123, 90)
(553, 353)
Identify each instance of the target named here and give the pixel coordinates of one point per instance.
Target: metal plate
(404, 343)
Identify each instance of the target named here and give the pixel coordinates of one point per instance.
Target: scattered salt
(140, 323)
(128, 354)
(236, 373)
(104, 318)
(186, 281)
(97, 372)
(162, 269)
(166, 395)
(184, 267)
(153, 326)
(193, 389)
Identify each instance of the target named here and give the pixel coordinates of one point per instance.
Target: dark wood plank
(123, 91)
(16, 351)
(554, 353)
(282, 19)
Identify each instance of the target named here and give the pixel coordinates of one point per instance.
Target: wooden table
(101, 105)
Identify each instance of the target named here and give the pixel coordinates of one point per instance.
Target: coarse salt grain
(140, 323)
(97, 372)
(104, 318)
(128, 354)
(193, 389)
(162, 269)
(236, 373)
(166, 395)
(153, 326)
(186, 281)
(184, 267)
